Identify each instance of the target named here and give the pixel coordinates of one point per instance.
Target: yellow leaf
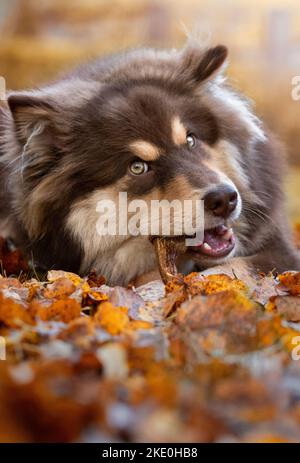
(114, 319)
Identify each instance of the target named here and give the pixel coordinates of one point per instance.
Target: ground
(203, 359)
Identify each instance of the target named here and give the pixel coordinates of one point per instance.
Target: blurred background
(40, 38)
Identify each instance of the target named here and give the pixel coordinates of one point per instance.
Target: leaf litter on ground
(200, 359)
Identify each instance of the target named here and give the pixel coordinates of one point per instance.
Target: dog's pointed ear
(213, 59)
(29, 112)
(203, 65)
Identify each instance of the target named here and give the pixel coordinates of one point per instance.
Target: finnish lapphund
(156, 125)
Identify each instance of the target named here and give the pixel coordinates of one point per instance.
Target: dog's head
(153, 125)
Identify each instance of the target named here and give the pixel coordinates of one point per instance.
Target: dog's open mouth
(217, 242)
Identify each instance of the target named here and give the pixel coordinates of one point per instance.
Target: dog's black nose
(221, 201)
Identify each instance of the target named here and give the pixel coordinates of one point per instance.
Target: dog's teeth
(207, 246)
(228, 234)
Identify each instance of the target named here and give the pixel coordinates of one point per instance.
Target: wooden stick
(167, 251)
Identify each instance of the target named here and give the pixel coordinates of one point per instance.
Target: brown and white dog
(153, 124)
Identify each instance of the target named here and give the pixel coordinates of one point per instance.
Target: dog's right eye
(138, 167)
(191, 140)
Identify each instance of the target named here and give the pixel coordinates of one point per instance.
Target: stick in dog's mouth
(167, 249)
(217, 242)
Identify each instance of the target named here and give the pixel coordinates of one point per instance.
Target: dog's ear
(211, 62)
(36, 130)
(30, 113)
(199, 65)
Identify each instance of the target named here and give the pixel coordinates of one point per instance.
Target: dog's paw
(218, 270)
(147, 278)
(234, 268)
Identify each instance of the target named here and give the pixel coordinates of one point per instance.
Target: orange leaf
(54, 275)
(63, 310)
(140, 325)
(114, 319)
(291, 281)
(13, 314)
(60, 288)
(211, 284)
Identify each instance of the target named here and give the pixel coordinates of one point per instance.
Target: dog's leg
(147, 278)
(238, 267)
(279, 256)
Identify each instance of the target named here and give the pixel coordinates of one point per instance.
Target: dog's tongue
(216, 242)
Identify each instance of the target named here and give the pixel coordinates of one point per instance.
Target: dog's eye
(191, 140)
(138, 167)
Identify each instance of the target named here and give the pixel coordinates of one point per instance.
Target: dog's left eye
(191, 140)
(138, 167)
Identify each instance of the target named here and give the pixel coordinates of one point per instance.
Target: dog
(156, 125)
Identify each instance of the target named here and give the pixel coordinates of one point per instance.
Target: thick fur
(68, 145)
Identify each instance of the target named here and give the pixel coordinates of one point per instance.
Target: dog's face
(170, 135)
(159, 145)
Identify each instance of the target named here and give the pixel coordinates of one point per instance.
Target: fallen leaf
(287, 306)
(122, 297)
(11, 259)
(60, 288)
(291, 281)
(13, 314)
(114, 319)
(63, 310)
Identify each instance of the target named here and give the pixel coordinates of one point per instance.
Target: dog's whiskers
(262, 215)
